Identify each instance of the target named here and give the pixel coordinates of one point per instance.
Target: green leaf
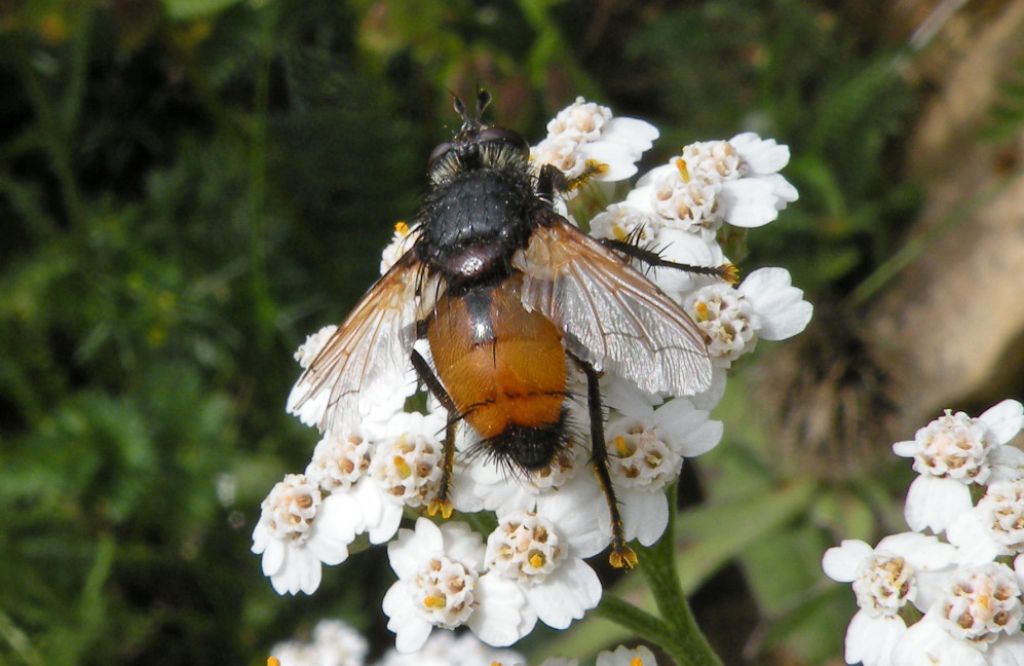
(712, 535)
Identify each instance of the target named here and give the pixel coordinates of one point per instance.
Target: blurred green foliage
(188, 187)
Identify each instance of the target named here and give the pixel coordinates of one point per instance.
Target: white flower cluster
(969, 588)
(333, 643)
(531, 567)
(336, 644)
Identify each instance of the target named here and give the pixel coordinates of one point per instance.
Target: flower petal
(1007, 463)
(576, 509)
(934, 503)
(566, 595)
(924, 553)
(1007, 651)
(644, 514)
(748, 202)
(927, 644)
(461, 543)
(637, 134)
(411, 548)
(783, 311)
(1005, 420)
(390, 519)
(840, 562)
(762, 156)
(499, 618)
(871, 640)
(974, 543)
(273, 557)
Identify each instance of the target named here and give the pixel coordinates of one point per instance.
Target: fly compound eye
(510, 137)
(437, 153)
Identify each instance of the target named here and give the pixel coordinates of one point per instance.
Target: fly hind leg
(442, 503)
(622, 556)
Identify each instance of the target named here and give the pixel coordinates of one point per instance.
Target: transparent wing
(371, 347)
(611, 315)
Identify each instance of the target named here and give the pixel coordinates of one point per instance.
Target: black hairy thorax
(477, 214)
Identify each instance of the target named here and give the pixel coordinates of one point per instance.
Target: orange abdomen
(501, 365)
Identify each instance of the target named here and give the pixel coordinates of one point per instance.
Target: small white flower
(677, 201)
(712, 161)
(974, 619)
(292, 653)
(542, 553)
(405, 471)
(298, 530)
(621, 222)
(884, 579)
(646, 448)
(711, 182)
(765, 305)
(954, 451)
(625, 656)
(979, 603)
(313, 345)
(440, 584)
(339, 461)
(377, 403)
(621, 656)
(443, 648)
(400, 243)
(580, 121)
(585, 133)
(334, 644)
(481, 484)
(727, 320)
(312, 411)
(337, 644)
(756, 198)
(994, 527)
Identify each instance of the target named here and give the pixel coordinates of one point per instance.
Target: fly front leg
(727, 272)
(442, 503)
(622, 556)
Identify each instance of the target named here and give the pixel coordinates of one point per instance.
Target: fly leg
(442, 503)
(553, 180)
(727, 272)
(622, 556)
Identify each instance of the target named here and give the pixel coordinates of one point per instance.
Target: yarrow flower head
(298, 531)
(334, 643)
(714, 182)
(765, 305)
(954, 451)
(444, 648)
(993, 527)
(647, 447)
(975, 618)
(584, 137)
(441, 583)
(381, 461)
(972, 603)
(885, 579)
(542, 553)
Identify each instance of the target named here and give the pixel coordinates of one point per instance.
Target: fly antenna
(483, 100)
(460, 107)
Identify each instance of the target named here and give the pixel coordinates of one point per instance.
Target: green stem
(659, 567)
(644, 625)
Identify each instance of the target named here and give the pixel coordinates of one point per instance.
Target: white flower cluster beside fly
(969, 587)
(532, 566)
(336, 644)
